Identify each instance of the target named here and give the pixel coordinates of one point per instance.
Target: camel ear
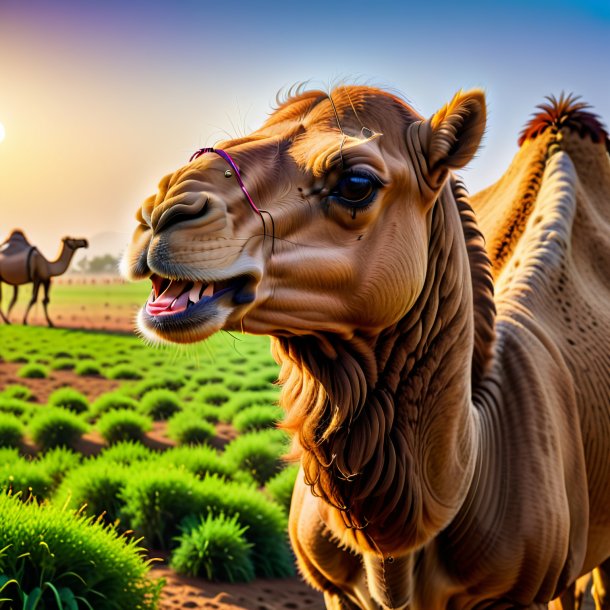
(454, 133)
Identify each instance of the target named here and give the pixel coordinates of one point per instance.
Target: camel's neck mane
(384, 424)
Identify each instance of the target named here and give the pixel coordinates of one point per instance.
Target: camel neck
(60, 264)
(385, 425)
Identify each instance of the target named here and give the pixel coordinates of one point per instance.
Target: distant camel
(22, 263)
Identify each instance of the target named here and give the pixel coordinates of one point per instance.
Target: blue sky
(100, 99)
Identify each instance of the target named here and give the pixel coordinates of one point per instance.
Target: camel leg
(572, 598)
(32, 301)
(45, 301)
(601, 586)
(1, 314)
(13, 301)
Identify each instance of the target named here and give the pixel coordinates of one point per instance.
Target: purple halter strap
(227, 157)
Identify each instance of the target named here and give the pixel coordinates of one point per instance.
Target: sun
(2, 132)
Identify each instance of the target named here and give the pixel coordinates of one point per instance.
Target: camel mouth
(183, 311)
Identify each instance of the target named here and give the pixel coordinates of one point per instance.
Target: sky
(101, 99)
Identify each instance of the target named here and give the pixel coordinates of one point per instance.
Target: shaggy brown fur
(453, 443)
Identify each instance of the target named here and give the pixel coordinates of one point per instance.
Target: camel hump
(15, 241)
(566, 112)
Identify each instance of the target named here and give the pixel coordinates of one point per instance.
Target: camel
(448, 396)
(22, 263)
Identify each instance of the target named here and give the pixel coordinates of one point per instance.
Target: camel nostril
(181, 212)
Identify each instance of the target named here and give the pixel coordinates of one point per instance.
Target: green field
(93, 302)
(217, 509)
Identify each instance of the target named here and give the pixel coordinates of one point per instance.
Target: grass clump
(257, 455)
(245, 399)
(87, 369)
(215, 395)
(69, 398)
(124, 371)
(112, 401)
(26, 479)
(16, 406)
(257, 417)
(280, 486)
(16, 390)
(160, 404)
(57, 427)
(199, 461)
(127, 453)
(94, 488)
(50, 555)
(157, 501)
(187, 430)
(123, 425)
(162, 383)
(63, 364)
(11, 430)
(33, 371)
(57, 463)
(214, 548)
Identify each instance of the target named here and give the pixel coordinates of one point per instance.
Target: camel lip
(181, 311)
(178, 298)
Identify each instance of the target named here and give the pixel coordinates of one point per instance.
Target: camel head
(74, 243)
(329, 233)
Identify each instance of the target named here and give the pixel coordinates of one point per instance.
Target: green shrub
(8, 455)
(63, 364)
(50, 554)
(69, 398)
(127, 453)
(187, 430)
(160, 404)
(200, 461)
(86, 369)
(112, 401)
(208, 377)
(123, 425)
(280, 486)
(157, 501)
(216, 395)
(123, 371)
(57, 427)
(257, 417)
(256, 455)
(11, 430)
(265, 520)
(25, 478)
(33, 371)
(57, 463)
(199, 411)
(245, 399)
(158, 383)
(214, 548)
(95, 488)
(16, 406)
(18, 391)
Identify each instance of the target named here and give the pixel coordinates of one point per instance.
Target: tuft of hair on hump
(565, 112)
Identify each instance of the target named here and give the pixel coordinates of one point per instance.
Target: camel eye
(355, 190)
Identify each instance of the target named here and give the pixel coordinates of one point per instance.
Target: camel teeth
(195, 292)
(209, 290)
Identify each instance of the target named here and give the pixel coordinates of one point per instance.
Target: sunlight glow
(2, 132)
